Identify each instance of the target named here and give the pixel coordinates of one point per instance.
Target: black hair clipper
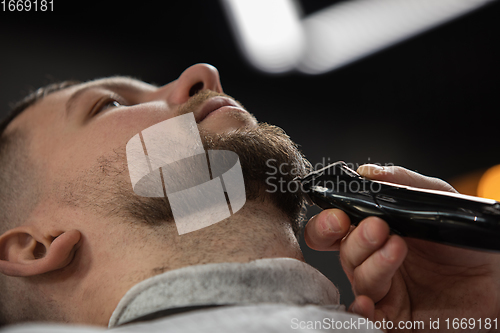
(438, 216)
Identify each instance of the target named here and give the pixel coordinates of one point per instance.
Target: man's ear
(26, 252)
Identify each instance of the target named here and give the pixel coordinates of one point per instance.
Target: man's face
(76, 140)
(78, 137)
(72, 128)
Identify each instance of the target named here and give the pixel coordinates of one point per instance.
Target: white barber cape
(266, 295)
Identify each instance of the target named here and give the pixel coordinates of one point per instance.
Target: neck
(123, 258)
(257, 231)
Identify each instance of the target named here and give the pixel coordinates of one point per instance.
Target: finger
(373, 277)
(362, 242)
(400, 175)
(324, 231)
(363, 306)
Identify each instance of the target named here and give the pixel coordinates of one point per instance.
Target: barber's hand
(407, 279)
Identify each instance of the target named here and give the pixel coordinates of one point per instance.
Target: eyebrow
(115, 86)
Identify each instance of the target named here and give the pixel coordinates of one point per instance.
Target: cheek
(114, 129)
(128, 121)
(80, 147)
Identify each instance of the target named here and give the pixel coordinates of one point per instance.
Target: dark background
(430, 104)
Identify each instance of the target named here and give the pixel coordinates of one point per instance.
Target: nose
(194, 79)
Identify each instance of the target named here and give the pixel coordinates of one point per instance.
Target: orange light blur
(489, 184)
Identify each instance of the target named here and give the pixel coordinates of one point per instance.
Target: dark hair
(31, 99)
(17, 191)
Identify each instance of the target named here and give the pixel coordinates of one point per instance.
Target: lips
(212, 105)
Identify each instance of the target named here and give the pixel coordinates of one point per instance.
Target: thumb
(400, 175)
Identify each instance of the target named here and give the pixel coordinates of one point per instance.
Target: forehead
(65, 97)
(121, 83)
(118, 81)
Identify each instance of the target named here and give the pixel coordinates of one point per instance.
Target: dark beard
(261, 150)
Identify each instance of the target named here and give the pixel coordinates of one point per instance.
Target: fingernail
(370, 169)
(387, 252)
(355, 308)
(334, 222)
(368, 234)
